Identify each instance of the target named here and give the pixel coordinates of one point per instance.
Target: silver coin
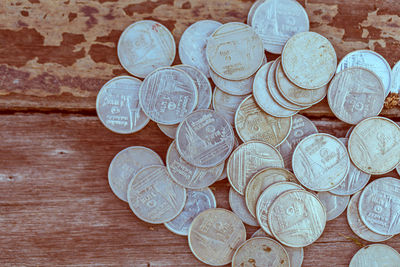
(349, 131)
(238, 206)
(168, 130)
(226, 104)
(253, 8)
(168, 95)
(396, 78)
(196, 202)
(335, 205)
(224, 173)
(193, 43)
(117, 105)
(376, 255)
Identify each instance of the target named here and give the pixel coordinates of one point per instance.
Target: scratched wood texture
(56, 207)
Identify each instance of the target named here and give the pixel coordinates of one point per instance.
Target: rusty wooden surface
(56, 207)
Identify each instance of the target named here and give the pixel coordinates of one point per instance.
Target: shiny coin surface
(396, 78)
(205, 139)
(192, 46)
(214, 236)
(117, 105)
(234, 51)
(145, 46)
(335, 205)
(355, 94)
(237, 88)
(261, 251)
(253, 124)
(297, 218)
(226, 104)
(168, 130)
(238, 206)
(379, 206)
(374, 145)
(320, 162)
(196, 202)
(376, 255)
(248, 159)
(309, 60)
(168, 95)
(154, 197)
(126, 164)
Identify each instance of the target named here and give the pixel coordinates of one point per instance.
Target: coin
(252, 123)
(154, 197)
(214, 236)
(192, 46)
(379, 206)
(168, 130)
(376, 255)
(126, 164)
(205, 139)
(261, 251)
(335, 205)
(320, 162)
(224, 174)
(187, 175)
(117, 105)
(252, 10)
(297, 218)
(234, 51)
(309, 60)
(398, 169)
(248, 159)
(349, 131)
(168, 95)
(226, 104)
(374, 145)
(238, 206)
(396, 78)
(196, 202)
(145, 46)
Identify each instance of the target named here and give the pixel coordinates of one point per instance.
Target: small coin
(226, 104)
(261, 251)
(238, 206)
(379, 206)
(154, 197)
(126, 164)
(309, 60)
(252, 123)
(145, 46)
(320, 162)
(205, 139)
(168, 130)
(248, 159)
(192, 46)
(196, 202)
(374, 145)
(234, 51)
(376, 255)
(117, 105)
(396, 78)
(297, 218)
(335, 205)
(168, 95)
(214, 236)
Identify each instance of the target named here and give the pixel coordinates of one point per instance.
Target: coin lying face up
(376, 255)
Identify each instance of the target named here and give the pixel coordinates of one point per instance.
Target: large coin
(320, 162)
(335, 205)
(117, 105)
(205, 139)
(154, 197)
(168, 130)
(374, 145)
(214, 236)
(145, 46)
(376, 255)
(238, 206)
(226, 104)
(396, 78)
(168, 95)
(309, 60)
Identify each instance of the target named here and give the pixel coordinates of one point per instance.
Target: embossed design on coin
(145, 46)
(376, 255)
(335, 205)
(226, 104)
(238, 206)
(168, 130)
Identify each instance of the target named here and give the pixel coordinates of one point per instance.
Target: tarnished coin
(234, 51)
(309, 60)
(214, 236)
(248, 159)
(154, 197)
(374, 145)
(196, 202)
(261, 251)
(379, 206)
(117, 105)
(376, 255)
(168, 95)
(396, 78)
(192, 46)
(252, 123)
(238, 206)
(168, 130)
(297, 218)
(320, 162)
(226, 104)
(126, 164)
(335, 205)
(187, 175)
(205, 139)
(355, 94)
(145, 46)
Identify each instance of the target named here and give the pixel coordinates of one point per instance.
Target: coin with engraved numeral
(196, 202)
(117, 105)
(154, 197)
(335, 205)
(238, 206)
(168, 130)
(145, 46)
(214, 236)
(226, 104)
(376, 255)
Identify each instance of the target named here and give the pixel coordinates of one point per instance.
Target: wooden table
(56, 207)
